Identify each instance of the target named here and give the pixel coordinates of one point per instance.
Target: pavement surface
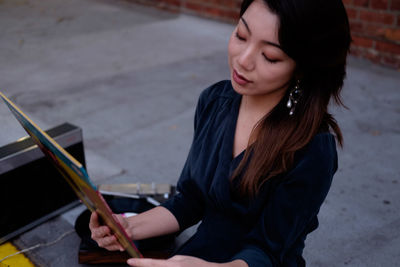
(130, 76)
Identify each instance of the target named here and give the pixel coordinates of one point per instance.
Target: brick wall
(375, 24)
(375, 27)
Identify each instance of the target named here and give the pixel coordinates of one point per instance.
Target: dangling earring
(294, 97)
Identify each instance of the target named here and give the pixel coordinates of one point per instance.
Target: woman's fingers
(149, 263)
(114, 246)
(176, 261)
(100, 232)
(107, 241)
(94, 220)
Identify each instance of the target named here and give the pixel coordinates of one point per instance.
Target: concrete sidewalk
(130, 77)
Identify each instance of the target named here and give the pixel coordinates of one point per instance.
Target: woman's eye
(240, 37)
(269, 59)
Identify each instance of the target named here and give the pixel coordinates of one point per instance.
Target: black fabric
(267, 231)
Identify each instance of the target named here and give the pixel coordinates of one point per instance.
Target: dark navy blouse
(270, 229)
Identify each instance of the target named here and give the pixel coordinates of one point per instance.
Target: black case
(31, 189)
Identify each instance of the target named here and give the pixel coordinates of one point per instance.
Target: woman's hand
(155, 222)
(183, 261)
(103, 235)
(176, 261)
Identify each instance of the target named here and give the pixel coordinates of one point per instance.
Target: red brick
(395, 5)
(356, 27)
(362, 42)
(347, 2)
(373, 30)
(194, 6)
(230, 15)
(388, 47)
(238, 4)
(222, 3)
(233, 15)
(377, 17)
(172, 2)
(352, 13)
(215, 11)
(214, 2)
(380, 4)
(363, 3)
(391, 34)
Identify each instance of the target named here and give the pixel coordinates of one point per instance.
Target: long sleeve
(188, 205)
(291, 210)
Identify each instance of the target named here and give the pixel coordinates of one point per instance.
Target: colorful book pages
(76, 176)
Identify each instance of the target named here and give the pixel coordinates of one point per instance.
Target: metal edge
(33, 152)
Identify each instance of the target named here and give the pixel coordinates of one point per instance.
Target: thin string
(39, 245)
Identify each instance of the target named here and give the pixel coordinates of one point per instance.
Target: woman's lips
(239, 79)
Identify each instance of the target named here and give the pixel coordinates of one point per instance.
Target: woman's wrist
(235, 263)
(130, 229)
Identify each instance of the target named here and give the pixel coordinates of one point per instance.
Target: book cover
(76, 176)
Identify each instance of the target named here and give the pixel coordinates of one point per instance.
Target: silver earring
(294, 97)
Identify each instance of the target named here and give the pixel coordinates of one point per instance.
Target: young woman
(264, 153)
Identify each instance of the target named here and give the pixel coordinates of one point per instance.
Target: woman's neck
(256, 107)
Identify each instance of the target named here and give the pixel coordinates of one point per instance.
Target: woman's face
(258, 65)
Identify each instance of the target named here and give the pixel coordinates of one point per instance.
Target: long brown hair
(319, 44)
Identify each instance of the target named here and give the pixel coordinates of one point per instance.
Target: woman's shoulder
(314, 167)
(322, 144)
(221, 89)
(319, 154)
(215, 97)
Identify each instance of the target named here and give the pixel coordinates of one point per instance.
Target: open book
(76, 176)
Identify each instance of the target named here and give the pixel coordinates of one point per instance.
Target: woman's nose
(246, 59)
